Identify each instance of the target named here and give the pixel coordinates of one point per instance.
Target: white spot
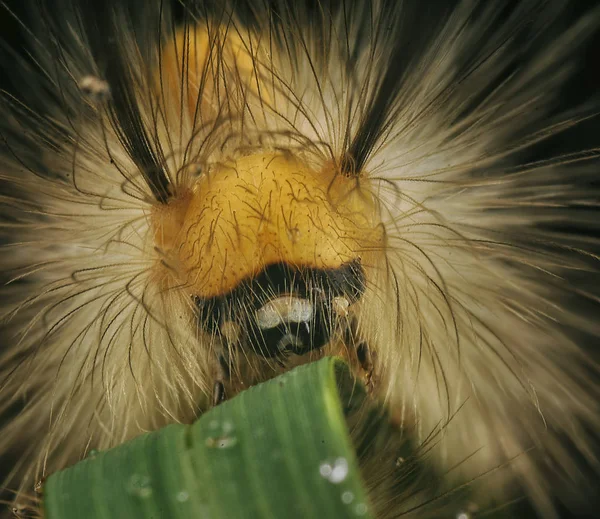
(360, 509)
(139, 485)
(336, 472)
(347, 497)
(462, 515)
(325, 470)
(340, 471)
(183, 496)
(94, 87)
(282, 309)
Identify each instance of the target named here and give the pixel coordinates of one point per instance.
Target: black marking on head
(317, 287)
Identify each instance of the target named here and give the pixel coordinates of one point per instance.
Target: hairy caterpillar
(196, 199)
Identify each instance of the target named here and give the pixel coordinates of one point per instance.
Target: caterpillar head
(273, 245)
(273, 251)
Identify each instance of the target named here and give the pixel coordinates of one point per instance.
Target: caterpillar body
(195, 199)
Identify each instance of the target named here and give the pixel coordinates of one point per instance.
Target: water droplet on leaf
(360, 509)
(139, 485)
(335, 472)
(183, 496)
(347, 497)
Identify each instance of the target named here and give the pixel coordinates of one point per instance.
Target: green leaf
(279, 449)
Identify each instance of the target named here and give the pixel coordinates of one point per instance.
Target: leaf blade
(279, 449)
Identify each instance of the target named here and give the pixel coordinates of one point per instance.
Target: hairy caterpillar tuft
(198, 197)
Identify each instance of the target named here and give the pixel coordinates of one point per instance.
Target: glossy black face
(284, 310)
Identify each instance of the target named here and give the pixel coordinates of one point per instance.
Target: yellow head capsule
(263, 209)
